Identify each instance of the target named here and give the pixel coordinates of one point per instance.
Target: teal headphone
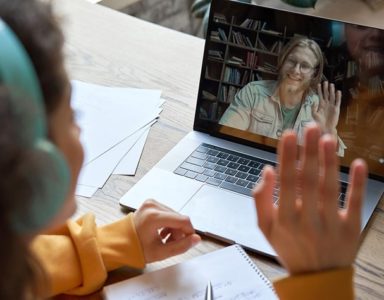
(49, 178)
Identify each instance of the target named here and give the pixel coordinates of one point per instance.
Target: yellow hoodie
(79, 255)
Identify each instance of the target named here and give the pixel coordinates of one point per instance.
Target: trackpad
(228, 216)
(221, 212)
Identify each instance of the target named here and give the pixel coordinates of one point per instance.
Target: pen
(209, 291)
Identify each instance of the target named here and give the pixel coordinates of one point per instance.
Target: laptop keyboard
(229, 170)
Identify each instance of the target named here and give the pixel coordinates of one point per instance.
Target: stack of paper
(114, 124)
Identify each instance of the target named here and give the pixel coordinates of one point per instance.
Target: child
(40, 160)
(42, 254)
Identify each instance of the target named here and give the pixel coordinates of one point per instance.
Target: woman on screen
(269, 107)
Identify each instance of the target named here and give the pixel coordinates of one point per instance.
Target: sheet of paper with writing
(232, 273)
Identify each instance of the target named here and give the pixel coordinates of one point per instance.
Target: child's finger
(263, 196)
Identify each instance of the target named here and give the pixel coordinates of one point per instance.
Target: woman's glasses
(304, 66)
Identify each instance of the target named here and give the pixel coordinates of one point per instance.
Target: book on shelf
(260, 45)
(223, 93)
(232, 75)
(208, 95)
(222, 34)
(250, 24)
(216, 54)
(208, 111)
(245, 78)
(236, 61)
(241, 39)
(267, 67)
(251, 60)
(219, 35)
(232, 91)
(276, 47)
(272, 32)
(215, 35)
(219, 18)
(227, 93)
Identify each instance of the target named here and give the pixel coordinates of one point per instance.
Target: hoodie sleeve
(77, 258)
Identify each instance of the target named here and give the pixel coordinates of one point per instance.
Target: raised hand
(308, 230)
(163, 232)
(327, 112)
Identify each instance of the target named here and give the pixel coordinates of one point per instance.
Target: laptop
(210, 173)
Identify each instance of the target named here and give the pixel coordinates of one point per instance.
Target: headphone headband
(46, 172)
(18, 74)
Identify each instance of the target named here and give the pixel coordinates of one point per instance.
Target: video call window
(261, 72)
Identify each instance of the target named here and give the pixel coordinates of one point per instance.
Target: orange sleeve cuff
(120, 245)
(331, 284)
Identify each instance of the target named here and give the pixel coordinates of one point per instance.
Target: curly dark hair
(37, 28)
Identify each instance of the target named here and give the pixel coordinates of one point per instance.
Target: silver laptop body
(196, 177)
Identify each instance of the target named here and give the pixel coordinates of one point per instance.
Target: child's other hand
(308, 230)
(163, 232)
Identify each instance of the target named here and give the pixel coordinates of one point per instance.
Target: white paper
(230, 270)
(108, 115)
(85, 191)
(97, 172)
(129, 163)
(112, 121)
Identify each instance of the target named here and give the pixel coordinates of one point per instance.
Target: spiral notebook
(231, 272)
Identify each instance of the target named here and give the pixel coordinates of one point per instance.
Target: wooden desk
(110, 48)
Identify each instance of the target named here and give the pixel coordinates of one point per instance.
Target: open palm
(326, 112)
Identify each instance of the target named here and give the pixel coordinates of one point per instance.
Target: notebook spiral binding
(252, 264)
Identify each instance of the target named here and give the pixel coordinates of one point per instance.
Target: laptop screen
(260, 76)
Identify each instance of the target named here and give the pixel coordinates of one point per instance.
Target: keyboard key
(244, 168)
(275, 200)
(192, 167)
(233, 165)
(253, 164)
(209, 173)
(180, 171)
(195, 161)
(254, 171)
(241, 175)
(236, 188)
(243, 161)
(214, 181)
(342, 200)
(231, 179)
(233, 158)
(212, 159)
(220, 169)
(242, 182)
(220, 176)
(202, 149)
(201, 177)
(190, 174)
(252, 178)
(222, 162)
(213, 152)
(230, 172)
(209, 165)
(222, 155)
(251, 185)
(199, 155)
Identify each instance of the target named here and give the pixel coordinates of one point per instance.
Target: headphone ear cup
(48, 177)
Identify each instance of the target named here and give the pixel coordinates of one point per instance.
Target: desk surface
(110, 48)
